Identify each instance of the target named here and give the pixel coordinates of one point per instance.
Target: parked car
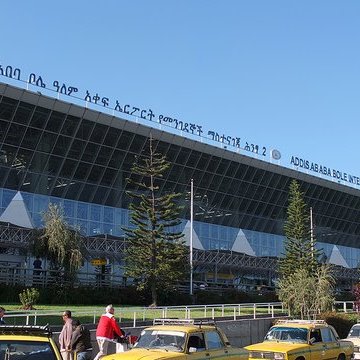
(354, 337)
(181, 340)
(24, 342)
(301, 340)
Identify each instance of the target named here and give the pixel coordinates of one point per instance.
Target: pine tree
(300, 251)
(301, 275)
(156, 257)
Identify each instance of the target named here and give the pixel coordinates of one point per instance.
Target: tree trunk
(153, 295)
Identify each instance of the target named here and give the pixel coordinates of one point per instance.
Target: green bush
(10, 293)
(173, 298)
(90, 295)
(202, 297)
(28, 298)
(340, 321)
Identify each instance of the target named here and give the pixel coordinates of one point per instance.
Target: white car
(354, 337)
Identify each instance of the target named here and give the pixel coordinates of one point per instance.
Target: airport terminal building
(52, 150)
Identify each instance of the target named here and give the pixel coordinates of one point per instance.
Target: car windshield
(354, 332)
(279, 333)
(161, 339)
(26, 350)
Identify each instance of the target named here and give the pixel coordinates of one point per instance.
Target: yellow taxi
(301, 340)
(27, 343)
(181, 340)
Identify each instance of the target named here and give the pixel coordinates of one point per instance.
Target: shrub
(340, 321)
(28, 298)
(10, 293)
(173, 298)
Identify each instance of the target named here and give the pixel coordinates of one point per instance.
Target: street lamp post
(191, 234)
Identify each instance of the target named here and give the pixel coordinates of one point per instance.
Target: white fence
(135, 316)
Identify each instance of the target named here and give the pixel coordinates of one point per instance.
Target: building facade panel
(53, 151)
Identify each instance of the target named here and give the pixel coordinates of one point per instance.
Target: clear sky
(280, 74)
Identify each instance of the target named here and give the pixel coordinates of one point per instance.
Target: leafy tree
(156, 257)
(58, 243)
(356, 292)
(300, 251)
(306, 295)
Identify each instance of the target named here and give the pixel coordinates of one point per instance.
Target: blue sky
(280, 74)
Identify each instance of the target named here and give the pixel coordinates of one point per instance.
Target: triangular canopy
(336, 258)
(241, 244)
(17, 213)
(196, 242)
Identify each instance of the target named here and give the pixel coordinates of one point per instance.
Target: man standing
(81, 341)
(37, 266)
(65, 336)
(107, 330)
(2, 313)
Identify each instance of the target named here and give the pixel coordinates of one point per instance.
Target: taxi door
(332, 346)
(216, 346)
(317, 347)
(196, 348)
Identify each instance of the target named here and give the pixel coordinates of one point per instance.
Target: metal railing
(28, 277)
(134, 317)
(139, 316)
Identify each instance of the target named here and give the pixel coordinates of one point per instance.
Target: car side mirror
(312, 340)
(192, 349)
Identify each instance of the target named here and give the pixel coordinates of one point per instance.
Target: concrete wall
(246, 331)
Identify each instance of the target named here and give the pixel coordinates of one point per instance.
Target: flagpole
(191, 234)
(311, 232)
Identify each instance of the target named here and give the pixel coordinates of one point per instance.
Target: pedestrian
(2, 313)
(65, 336)
(37, 266)
(81, 341)
(107, 330)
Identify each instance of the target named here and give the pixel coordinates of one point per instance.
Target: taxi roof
(185, 325)
(183, 328)
(25, 331)
(302, 323)
(18, 337)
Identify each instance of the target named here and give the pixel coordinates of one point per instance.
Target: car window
(26, 350)
(161, 339)
(327, 335)
(214, 340)
(282, 333)
(355, 331)
(316, 335)
(196, 341)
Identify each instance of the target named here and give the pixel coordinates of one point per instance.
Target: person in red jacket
(107, 330)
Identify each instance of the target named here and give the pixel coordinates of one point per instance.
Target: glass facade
(57, 152)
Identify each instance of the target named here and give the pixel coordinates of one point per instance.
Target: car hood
(355, 340)
(276, 346)
(144, 354)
